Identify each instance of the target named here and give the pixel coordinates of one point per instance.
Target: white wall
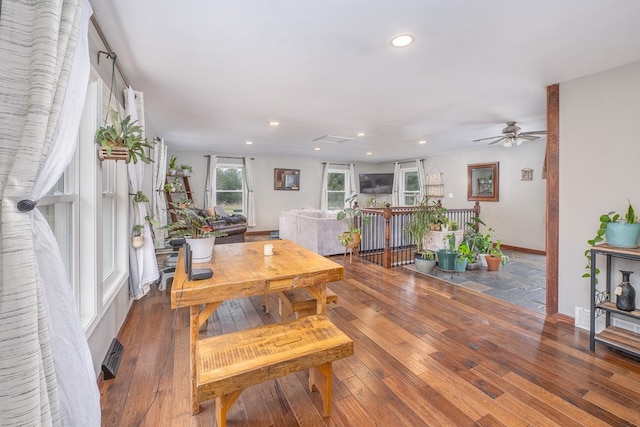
(519, 216)
(599, 152)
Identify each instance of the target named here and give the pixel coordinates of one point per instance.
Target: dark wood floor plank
(426, 352)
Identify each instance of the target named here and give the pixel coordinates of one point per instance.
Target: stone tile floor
(521, 281)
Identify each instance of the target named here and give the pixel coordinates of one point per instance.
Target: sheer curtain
(351, 182)
(395, 193)
(158, 198)
(324, 197)
(143, 267)
(46, 370)
(210, 184)
(422, 179)
(250, 201)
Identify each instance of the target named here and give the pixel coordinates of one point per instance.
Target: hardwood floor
(426, 353)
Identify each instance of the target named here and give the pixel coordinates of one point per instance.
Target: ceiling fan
(512, 135)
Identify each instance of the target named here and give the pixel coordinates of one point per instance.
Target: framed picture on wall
(286, 179)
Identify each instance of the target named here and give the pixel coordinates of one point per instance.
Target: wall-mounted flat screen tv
(376, 183)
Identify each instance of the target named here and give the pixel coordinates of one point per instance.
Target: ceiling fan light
(507, 143)
(519, 141)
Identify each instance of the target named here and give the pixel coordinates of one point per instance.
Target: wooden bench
(227, 364)
(300, 302)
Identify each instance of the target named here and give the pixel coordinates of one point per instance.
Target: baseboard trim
(525, 250)
(258, 233)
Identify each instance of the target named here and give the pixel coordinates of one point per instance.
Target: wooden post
(386, 256)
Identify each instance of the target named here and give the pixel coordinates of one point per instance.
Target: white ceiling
(214, 72)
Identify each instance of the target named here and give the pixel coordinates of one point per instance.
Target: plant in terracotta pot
(494, 257)
(122, 136)
(351, 238)
(618, 232)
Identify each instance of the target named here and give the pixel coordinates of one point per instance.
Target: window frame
(345, 173)
(243, 186)
(403, 186)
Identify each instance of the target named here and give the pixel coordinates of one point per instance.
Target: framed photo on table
(286, 179)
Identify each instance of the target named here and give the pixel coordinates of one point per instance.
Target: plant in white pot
(195, 226)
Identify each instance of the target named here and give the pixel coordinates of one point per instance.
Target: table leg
(193, 339)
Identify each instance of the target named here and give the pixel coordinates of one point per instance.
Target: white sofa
(314, 229)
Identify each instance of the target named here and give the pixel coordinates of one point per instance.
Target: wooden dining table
(243, 270)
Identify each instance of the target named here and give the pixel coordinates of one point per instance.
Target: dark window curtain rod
(408, 161)
(227, 157)
(110, 52)
(338, 164)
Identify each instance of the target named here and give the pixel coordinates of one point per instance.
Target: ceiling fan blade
(535, 132)
(528, 137)
(485, 139)
(497, 140)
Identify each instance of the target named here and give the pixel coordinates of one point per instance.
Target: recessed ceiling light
(402, 40)
(248, 142)
(369, 153)
(316, 149)
(360, 134)
(422, 142)
(274, 123)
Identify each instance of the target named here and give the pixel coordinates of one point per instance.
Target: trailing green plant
(427, 254)
(186, 167)
(465, 252)
(123, 133)
(630, 217)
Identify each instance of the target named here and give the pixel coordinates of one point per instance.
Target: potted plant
(186, 169)
(351, 239)
(619, 233)
(465, 257)
(195, 226)
(417, 227)
(447, 256)
(172, 165)
(494, 256)
(122, 140)
(137, 239)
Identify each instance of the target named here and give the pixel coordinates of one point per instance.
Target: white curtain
(395, 193)
(422, 179)
(249, 199)
(324, 196)
(46, 370)
(350, 186)
(143, 266)
(158, 198)
(210, 185)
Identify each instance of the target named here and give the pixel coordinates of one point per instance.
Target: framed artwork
(527, 174)
(483, 182)
(286, 179)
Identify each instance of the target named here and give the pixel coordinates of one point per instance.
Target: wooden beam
(553, 192)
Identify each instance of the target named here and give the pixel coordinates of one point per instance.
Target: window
(230, 188)
(60, 209)
(336, 189)
(410, 187)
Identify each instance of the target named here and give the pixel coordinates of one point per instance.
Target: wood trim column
(553, 192)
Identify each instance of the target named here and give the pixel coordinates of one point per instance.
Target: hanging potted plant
(351, 239)
(122, 140)
(137, 239)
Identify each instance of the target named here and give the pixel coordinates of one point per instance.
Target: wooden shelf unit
(177, 194)
(612, 336)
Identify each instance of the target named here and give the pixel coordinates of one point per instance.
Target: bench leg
(320, 378)
(265, 302)
(223, 404)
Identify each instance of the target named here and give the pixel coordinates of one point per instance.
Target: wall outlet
(450, 195)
